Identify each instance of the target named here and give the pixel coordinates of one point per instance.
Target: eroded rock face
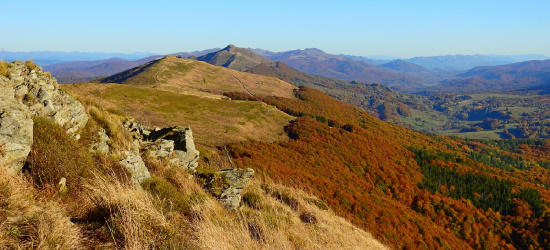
(136, 167)
(28, 92)
(236, 180)
(16, 128)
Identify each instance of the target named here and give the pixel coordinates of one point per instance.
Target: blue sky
(397, 28)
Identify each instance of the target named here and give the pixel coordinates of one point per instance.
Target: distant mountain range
(87, 70)
(465, 62)
(522, 75)
(408, 75)
(317, 62)
(44, 58)
(79, 71)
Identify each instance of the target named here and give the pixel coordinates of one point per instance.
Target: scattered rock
(135, 165)
(101, 145)
(62, 186)
(236, 180)
(159, 149)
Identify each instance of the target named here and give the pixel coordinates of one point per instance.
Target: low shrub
(55, 155)
(170, 196)
(307, 217)
(252, 200)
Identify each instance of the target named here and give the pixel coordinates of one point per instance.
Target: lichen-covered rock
(159, 149)
(186, 156)
(69, 112)
(16, 128)
(41, 94)
(138, 131)
(235, 180)
(136, 167)
(28, 92)
(175, 143)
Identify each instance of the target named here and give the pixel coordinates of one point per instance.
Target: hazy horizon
(401, 29)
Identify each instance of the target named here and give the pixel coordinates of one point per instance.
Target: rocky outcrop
(27, 92)
(186, 156)
(15, 129)
(175, 143)
(235, 180)
(42, 95)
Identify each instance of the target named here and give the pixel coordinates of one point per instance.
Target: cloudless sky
(378, 27)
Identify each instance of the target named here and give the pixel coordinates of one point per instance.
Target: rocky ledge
(25, 92)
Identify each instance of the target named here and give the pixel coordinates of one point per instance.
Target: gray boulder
(101, 144)
(136, 167)
(41, 94)
(175, 143)
(186, 156)
(159, 149)
(236, 180)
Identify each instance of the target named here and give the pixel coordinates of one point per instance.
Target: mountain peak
(230, 47)
(235, 58)
(314, 50)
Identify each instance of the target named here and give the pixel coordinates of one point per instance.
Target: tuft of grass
(112, 123)
(30, 65)
(170, 196)
(252, 200)
(318, 203)
(129, 214)
(4, 69)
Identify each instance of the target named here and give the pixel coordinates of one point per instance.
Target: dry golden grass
(203, 77)
(276, 225)
(4, 69)
(30, 64)
(136, 222)
(133, 218)
(27, 221)
(120, 138)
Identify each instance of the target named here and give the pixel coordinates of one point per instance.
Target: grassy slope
(214, 121)
(199, 78)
